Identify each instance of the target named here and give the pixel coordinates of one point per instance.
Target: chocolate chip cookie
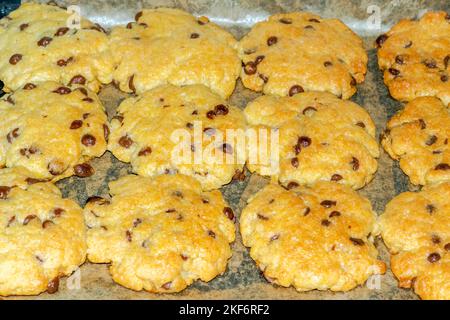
(416, 228)
(42, 235)
(418, 137)
(160, 234)
(300, 51)
(320, 138)
(52, 130)
(36, 44)
(415, 57)
(165, 46)
(311, 237)
(179, 129)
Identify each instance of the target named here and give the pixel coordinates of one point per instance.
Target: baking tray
(242, 280)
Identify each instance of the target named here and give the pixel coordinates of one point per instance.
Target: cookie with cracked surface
(170, 46)
(52, 130)
(416, 228)
(42, 235)
(320, 138)
(312, 237)
(160, 234)
(418, 137)
(300, 51)
(179, 129)
(415, 57)
(36, 45)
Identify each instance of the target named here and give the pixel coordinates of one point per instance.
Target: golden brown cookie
(418, 136)
(170, 46)
(312, 238)
(160, 234)
(415, 57)
(320, 138)
(52, 130)
(42, 235)
(177, 129)
(416, 228)
(36, 44)
(295, 52)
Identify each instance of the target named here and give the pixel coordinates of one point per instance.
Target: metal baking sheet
(242, 279)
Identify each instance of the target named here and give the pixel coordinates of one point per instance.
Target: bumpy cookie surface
(321, 138)
(36, 45)
(311, 238)
(52, 130)
(171, 46)
(177, 129)
(418, 136)
(415, 57)
(300, 51)
(42, 236)
(416, 228)
(160, 234)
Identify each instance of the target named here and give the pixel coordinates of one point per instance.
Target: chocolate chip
(431, 140)
(272, 40)
(46, 224)
(88, 140)
(325, 222)
(178, 194)
(12, 135)
(408, 45)
(309, 111)
(434, 257)
(250, 68)
(28, 219)
(189, 125)
(4, 191)
(294, 90)
(28, 152)
(447, 247)
(327, 64)
(221, 110)
(129, 236)
(184, 257)
(76, 124)
(211, 114)
(354, 163)
(11, 221)
(83, 170)
(194, 35)
(145, 152)
(15, 58)
(31, 181)
(292, 185)
(381, 40)
(45, 41)
(23, 26)
(422, 123)
(209, 131)
(125, 141)
(356, 241)
(167, 285)
(336, 177)
(430, 63)
(304, 141)
(78, 79)
(63, 63)
(129, 25)
(229, 213)
(328, 203)
(106, 132)
(62, 90)
(394, 71)
(309, 27)
(294, 162)
(314, 20)
(226, 148)
(430, 208)
(171, 210)
(58, 212)
(131, 84)
(446, 61)
(442, 166)
(334, 214)
(307, 211)
(53, 286)
(262, 217)
(137, 222)
(285, 20)
(275, 237)
(29, 86)
(435, 239)
(61, 31)
(444, 78)
(138, 16)
(211, 234)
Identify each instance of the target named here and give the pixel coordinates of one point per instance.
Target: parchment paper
(242, 280)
